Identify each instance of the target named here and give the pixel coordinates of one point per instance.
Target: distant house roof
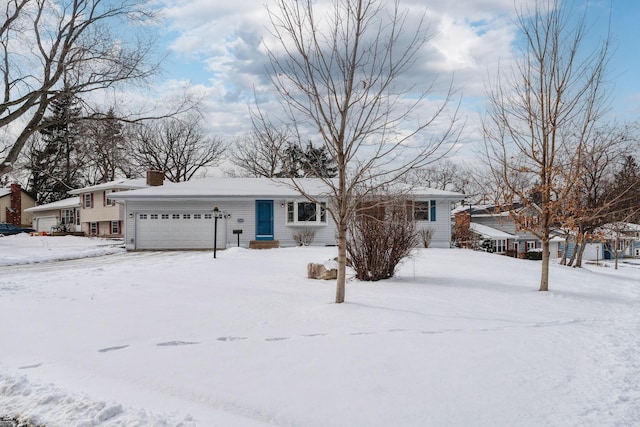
(122, 184)
(489, 232)
(71, 202)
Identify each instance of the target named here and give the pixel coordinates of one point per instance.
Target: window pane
(290, 213)
(306, 211)
(421, 211)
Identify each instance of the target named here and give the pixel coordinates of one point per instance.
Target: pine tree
(55, 167)
(318, 163)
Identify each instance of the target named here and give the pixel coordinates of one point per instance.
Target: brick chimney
(155, 178)
(14, 213)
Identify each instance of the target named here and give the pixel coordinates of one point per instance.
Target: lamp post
(216, 215)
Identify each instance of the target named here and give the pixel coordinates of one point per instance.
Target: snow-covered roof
(250, 187)
(434, 192)
(489, 232)
(71, 202)
(121, 184)
(225, 187)
(5, 192)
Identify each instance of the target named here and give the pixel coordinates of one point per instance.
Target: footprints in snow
(177, 343)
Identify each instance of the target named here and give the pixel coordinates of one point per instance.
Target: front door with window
(264, 219)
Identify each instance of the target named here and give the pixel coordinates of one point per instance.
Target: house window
(424, 210)
(500, 245)
(115, 226)
(68, 216)
(107, 201)
(208, 216)
(154, 216)
(87, 200)
(307, 213)
(186, 216)
(197, 216)
(165, 216)
(93, 227)
(175, 216)
(143, 216)
(531, 245)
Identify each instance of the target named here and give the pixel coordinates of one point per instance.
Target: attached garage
(178, 230)
(45, 223)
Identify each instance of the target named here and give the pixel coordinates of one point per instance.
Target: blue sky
(215, 47)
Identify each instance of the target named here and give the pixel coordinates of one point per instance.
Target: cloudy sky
(216, 47)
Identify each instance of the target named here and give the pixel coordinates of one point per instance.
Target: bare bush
(426, 234)
(304, 237)
(380, 236)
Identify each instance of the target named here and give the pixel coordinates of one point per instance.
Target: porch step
(264, 244)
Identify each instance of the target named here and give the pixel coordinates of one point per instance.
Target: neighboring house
(494, 224)
(57, 216)
(621, 238)
(249, 212)
(100, 215)
(13, 203)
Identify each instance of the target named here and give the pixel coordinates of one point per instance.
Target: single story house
(14, 202)
(99, 215)
(248, 212)
(61, 215)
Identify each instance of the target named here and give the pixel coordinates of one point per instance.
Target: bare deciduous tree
(259, 153)
(548, 104)
(45, 43)
(178, 147)
(337, 78)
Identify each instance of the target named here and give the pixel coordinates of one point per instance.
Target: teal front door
(264, 219)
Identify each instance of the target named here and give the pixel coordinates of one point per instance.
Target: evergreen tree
(54, 163)
(318, 163)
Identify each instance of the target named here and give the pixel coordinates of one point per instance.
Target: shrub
(379, 237)
(304, 237)
(426, 234)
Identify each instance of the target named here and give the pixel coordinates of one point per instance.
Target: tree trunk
(580, 254)
(342, 262)
(544, 276)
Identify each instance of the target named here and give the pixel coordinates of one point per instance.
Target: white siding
(238, 215)
(441, 226)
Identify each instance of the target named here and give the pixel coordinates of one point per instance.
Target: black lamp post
(216, 215)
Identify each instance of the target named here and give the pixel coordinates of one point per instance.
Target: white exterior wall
(237, 215)
(441, 226)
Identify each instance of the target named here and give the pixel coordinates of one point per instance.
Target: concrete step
(264, 244)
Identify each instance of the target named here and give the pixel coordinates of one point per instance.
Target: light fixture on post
(216, 215)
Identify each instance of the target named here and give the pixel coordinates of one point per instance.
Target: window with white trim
(93, 228)
(500, 245)
(87, 200)
(68, 216)
(107, 200)
(115, 226)
(306, 213)
(424, 210)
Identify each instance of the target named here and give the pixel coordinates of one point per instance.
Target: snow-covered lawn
(458, 338)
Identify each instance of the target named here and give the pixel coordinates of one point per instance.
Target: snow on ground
(26, 249)
(458, 338)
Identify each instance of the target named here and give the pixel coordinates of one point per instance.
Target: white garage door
(170, 230)
(45, 223)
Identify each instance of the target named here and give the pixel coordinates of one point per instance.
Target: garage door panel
(177, 231)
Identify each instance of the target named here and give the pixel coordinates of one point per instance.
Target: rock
(319, 271)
